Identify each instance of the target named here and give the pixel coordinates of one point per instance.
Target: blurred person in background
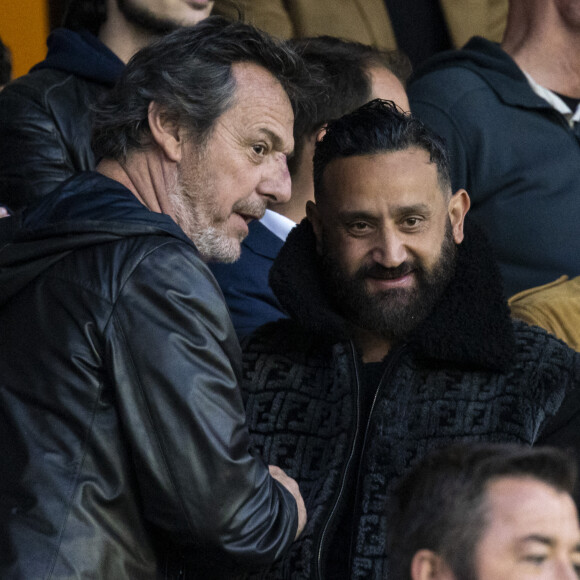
(349, 75)
(45, 118)
(487, 512)
(5, 65)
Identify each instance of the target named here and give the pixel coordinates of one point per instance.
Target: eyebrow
(415, 208)
(275, 139)
(547, 541)
(356, 215)
(398, 211)
(538, 538)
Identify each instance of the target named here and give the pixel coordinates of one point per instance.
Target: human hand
(291, 485)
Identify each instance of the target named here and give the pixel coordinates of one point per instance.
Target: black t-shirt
(338, 561)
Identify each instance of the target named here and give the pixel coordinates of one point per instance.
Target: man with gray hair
(121, 416)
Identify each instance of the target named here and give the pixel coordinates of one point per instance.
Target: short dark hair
(377, 127)
(343, 68)
(5, 64)
(441, 504)
(85, 15)
(188, 73)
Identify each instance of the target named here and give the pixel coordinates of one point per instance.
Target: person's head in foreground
(487, 512)
(385, 219)
(207, 114)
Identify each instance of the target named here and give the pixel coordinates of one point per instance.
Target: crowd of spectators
(291, 290)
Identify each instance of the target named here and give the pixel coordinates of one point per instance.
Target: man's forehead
(526, 501)
(261, 104)
(383, 176)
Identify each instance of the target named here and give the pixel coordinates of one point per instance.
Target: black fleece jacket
(468, 372)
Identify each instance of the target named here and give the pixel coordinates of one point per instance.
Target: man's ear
(427, 565)
(313, 215)
(457, 208)
(166, 133)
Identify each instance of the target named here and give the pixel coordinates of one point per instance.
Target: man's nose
(390, 250)
(565, 571)
(276, 184)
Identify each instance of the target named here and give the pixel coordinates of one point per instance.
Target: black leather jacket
(122, 429)
(45, 118)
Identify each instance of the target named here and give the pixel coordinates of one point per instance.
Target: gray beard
(395, 313)
(212, 244)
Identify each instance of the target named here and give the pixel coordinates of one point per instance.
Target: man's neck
(122, 37)
(545, 47)
(142, 175)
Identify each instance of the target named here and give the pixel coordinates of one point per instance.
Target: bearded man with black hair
(399, 341)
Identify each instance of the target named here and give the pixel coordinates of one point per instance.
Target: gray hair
(188, 74)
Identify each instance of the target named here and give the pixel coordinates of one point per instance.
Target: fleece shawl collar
(469, 326)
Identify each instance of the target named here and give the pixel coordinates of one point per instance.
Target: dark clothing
(468, 372)
(122, 428)
(419, 27)
(245, 282)
(45, 127)
(514, 153)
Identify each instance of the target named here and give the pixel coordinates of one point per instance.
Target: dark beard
(392, 314)
(146, 19)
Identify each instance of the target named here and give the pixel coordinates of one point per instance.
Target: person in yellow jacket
(364, 21)
(554, 307)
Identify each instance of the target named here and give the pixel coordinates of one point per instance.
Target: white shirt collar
(278, 224)
(554, 100)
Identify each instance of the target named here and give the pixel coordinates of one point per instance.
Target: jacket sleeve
(34, 154)
(563, 429)
(175, 366)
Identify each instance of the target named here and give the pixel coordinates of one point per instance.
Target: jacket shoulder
(553, 358)
(283, 336)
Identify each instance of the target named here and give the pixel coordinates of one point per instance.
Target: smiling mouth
(388, 276)
(388, 282)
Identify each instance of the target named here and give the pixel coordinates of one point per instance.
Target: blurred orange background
(24, 26)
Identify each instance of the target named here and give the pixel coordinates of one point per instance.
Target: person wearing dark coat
(122, 426)
(45, 115)
(399, 341)
(510, 114)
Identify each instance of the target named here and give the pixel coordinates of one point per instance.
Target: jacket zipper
(346, 469)
(394, 357)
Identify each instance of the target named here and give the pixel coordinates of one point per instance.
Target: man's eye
(412, 222)
(259, 149)
(359, 226)
(536, 559)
